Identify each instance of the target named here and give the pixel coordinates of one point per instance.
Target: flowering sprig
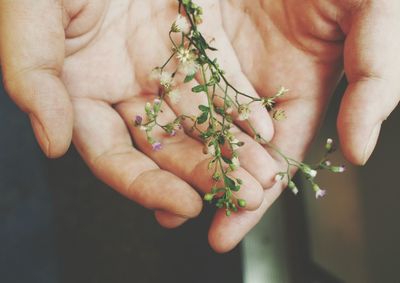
(190, 52)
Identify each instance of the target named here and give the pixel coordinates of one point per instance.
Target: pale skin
(80, 70)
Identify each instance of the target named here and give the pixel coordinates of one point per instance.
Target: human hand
(95, 58)
(304, 46)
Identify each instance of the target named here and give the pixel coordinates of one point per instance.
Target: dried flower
(279, 115)
(282, 90)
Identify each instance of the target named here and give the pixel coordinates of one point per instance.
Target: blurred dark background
(59, 224)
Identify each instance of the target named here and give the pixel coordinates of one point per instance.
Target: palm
(263, 48)
(107, 76)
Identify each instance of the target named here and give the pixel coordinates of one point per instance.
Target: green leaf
(220, 110)
(230, 183)
(221, 140)
(205, 135)
(189, 78)
(199, 88)
(226, 160)
(202, 118)
(204, 108)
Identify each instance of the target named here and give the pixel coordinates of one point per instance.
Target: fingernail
(373, 138)
(40, 134)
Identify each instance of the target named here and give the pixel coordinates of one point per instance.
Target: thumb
(372, 66)
(31, 56)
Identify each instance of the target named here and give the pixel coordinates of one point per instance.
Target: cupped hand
(95, 56)
(81, 69)
(304, 46)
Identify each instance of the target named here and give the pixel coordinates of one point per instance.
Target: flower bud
(208, 197)
(138, 120)
(309, 172)
(147, 107)
(241, 203)
(327, 163)
(295, 190)
(329, 145)
(292, 186)
(338, 169)
(216, 176)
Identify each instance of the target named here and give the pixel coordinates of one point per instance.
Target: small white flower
(295, 190)
(313, 173)
(187, 61)
(180, 25)
(184, 55)
(143, 128)
(235, 162)
(157, 101)
(174, 96)
(329, 141)
(188, 68)
(327, 163)
(229, 110)
(319, 193)
(310, 172)
(166, 80)
(234, 143)
(244, 112)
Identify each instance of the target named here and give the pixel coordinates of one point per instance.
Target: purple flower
(320, 193)
(138, 120)
(157, 146)
(173, 133)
